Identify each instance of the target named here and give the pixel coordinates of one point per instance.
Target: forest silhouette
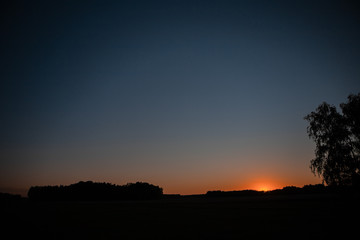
(92, 191)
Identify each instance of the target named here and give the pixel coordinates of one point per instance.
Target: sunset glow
(265, 186)
(191, 96)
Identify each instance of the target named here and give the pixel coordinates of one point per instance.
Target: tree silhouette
(336, 136)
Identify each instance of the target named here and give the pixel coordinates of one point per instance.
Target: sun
(264, 188)
(262, 184)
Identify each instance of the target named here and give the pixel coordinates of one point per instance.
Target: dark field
(261, 217)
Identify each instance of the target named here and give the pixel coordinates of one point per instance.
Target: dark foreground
(280, 217)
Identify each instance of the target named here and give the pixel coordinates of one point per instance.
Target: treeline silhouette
(93, 191)
(288, 190)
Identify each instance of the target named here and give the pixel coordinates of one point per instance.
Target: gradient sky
(188, 95)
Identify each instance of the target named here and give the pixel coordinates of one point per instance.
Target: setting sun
(263, 188)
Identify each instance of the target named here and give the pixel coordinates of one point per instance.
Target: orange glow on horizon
(257, 183)
(264, 187)
(266, 184)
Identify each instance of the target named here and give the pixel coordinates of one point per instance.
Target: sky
(188, 95)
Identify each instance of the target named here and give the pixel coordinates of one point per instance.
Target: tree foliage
(336, 136)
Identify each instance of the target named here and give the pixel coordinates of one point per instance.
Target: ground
(280, 217)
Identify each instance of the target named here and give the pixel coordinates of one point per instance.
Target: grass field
(261, 217)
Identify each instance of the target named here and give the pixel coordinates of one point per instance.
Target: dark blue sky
(189, 95)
